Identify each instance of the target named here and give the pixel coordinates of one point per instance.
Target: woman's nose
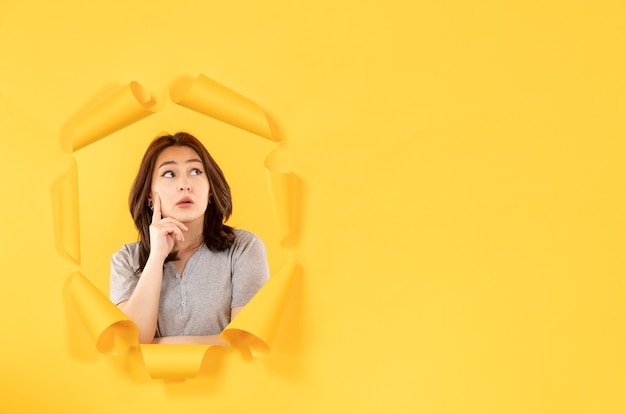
(183, 185)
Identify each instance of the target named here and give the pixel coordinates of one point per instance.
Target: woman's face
(182, 184)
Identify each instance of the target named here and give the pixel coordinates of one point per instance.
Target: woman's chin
(189, 219)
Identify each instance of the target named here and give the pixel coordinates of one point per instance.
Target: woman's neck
(194, 237)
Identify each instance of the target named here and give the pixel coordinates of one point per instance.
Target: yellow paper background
(461, 219)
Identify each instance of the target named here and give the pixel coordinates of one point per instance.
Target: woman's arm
(205, 340)
(202, 340)
(143, 305)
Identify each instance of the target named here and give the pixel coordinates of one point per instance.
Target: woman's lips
(184, 202)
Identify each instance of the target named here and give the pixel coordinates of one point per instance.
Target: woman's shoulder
(130, 250)
(126, 258)
(245, 239)
(244, 234)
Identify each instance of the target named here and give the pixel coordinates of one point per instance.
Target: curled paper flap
(65, 214)
(210, 98)
(256, 326)
(127, 106)
(173, 361)
(105, 322)
(281, 190)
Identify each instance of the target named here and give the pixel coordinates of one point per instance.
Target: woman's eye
(168, 174)
(196, 171)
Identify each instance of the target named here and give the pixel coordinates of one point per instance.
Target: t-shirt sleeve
(250, 268)
(123, 279)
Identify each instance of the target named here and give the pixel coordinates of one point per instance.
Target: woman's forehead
(177, 154)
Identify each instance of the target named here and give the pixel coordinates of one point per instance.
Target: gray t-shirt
(199, 302)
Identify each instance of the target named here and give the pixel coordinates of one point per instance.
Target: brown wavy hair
(217, 235)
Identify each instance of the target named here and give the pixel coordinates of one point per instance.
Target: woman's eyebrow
(167, 163)
(174, 162)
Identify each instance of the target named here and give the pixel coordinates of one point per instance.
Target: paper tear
(101, 317)
(128, 105)
(210, 98)
(65, 214)
(281, 190)
(256, 326)
(173, 361)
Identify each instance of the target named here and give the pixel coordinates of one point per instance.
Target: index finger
(156, 212)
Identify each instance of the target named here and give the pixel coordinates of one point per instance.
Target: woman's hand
(164, 232)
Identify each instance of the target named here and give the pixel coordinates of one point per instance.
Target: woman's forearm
(143, 305)
(203, 340)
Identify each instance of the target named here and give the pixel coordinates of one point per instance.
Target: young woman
(189, 274)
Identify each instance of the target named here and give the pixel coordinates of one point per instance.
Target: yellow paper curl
(103, 320)
(210, 98)
(127, 106)
(173, 361)
(281, 185)
(255, 327)
(65, 214)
